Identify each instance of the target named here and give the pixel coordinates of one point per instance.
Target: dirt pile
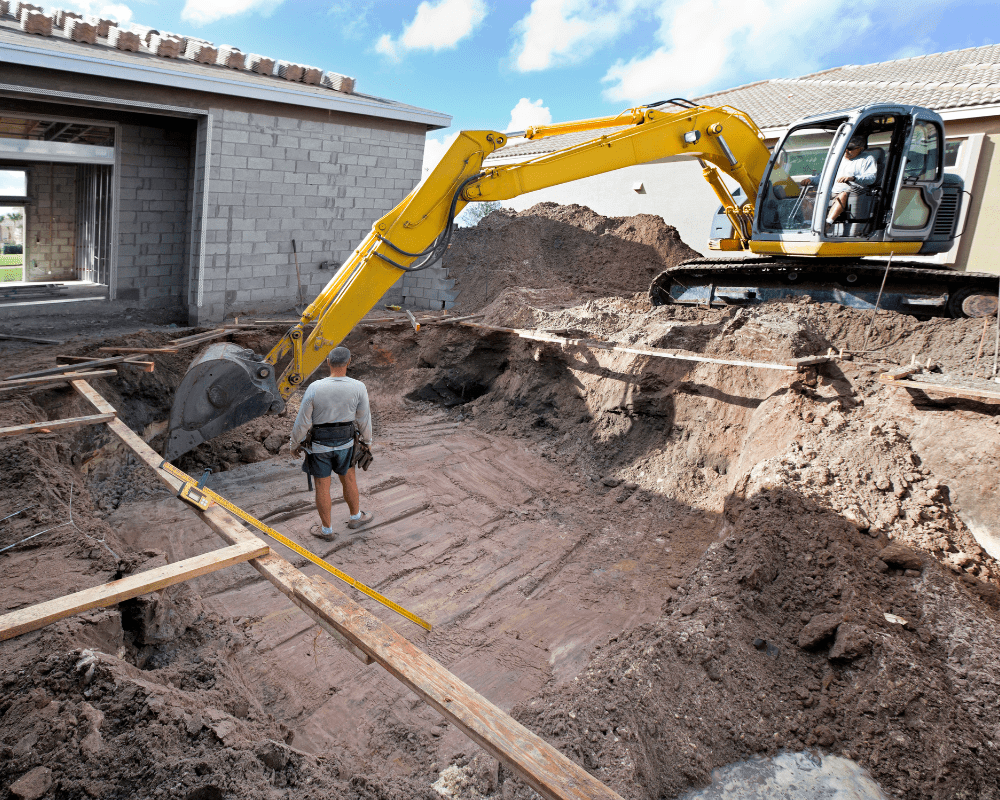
(570, 247)
(794, 633)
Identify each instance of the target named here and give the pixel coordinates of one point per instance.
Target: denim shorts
(322, 465)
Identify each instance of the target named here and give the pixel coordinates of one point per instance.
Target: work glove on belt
(362, 454)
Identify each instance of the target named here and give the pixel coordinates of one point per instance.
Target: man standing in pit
(324, 431)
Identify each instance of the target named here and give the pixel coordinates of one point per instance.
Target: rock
(962, 559)
(612, 482)
(852, 641)
(824, 736)
(273, 755)
(24, 745)
(92, 744)
(32, 785)
(857, 518)
(253, 452)
(274, 442)
(901, 557)
(688, 609)
(911, 573)
(759, 643)
(819, 628)
(880, 566)
(883, 484)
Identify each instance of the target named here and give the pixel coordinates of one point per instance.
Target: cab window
(923, 159)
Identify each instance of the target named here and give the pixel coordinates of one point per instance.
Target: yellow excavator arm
(228, 386)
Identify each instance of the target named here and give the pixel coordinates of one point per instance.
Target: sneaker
(364, 519)
(317, 531)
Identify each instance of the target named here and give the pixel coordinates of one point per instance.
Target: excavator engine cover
(227, 386)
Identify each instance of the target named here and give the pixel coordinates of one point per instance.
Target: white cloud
(436, 26)
(201, 12)
(704, 45)
(527, 113)
(558, 32)
(119, 12)
(434, 150)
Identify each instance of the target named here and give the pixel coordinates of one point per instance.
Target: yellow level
(267, 530)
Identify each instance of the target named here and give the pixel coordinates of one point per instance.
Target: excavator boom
(229, 385)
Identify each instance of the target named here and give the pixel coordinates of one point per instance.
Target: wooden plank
(901, 372)
(136, 350)
(191, 341)
(131, 361)
(56, 424)
(35, 339)
(69, 376)
(38, 616)
(70, 367)
(967, 392)
(541, 336)
(548, 771)
(808, 361)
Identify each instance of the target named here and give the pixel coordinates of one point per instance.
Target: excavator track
(910, 287)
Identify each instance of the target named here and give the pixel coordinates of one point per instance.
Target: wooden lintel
(68, 376)
(38, 616)
(56, 424)
(897, 374)
(132, 361)
(967, 392)
(70, 364)
(545, 769)
(198, 338)
(808, 361)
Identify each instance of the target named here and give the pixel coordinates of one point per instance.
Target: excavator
(771, 228)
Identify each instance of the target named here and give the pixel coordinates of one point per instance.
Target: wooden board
(967, 392)
(38, 616)
(137, 349)
(56, 424)
(132, 361)
(548, 771)
(542, 336)
(70, 366)
(69, 376)
(35, 339)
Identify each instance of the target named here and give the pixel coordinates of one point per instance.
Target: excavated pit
(661, 567)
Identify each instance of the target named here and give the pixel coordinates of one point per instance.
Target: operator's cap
(858, 140)
(338, 356)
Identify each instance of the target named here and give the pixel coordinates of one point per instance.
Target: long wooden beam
(56, 424)
(136, 349)
(69, 376)
(593, 344)
(546, 770)
(38, 616)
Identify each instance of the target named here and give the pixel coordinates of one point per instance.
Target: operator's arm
(303, 422)
(363, 416)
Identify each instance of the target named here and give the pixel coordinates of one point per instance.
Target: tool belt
(330, 434)
(362, 454)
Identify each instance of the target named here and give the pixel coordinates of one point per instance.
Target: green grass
(14, 260)
(10, 274)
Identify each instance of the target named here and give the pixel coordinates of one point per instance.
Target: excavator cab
(897, 199)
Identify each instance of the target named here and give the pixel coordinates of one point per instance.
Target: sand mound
(554, 246)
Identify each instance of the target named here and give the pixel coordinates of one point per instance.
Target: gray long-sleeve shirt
(332, 400)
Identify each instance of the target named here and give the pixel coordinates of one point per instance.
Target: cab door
(918, 188)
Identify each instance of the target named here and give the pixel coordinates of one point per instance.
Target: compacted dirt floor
(660, 566)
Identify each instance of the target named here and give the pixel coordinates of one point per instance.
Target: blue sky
(505, 65)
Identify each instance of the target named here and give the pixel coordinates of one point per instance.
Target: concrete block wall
(273, 179)
(50, 233)
(154, 214)
(429, 288)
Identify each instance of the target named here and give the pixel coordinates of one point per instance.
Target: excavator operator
(325, 431)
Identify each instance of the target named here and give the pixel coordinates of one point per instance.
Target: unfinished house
(154, 170)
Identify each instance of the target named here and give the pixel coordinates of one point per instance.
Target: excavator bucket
(225, 387)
